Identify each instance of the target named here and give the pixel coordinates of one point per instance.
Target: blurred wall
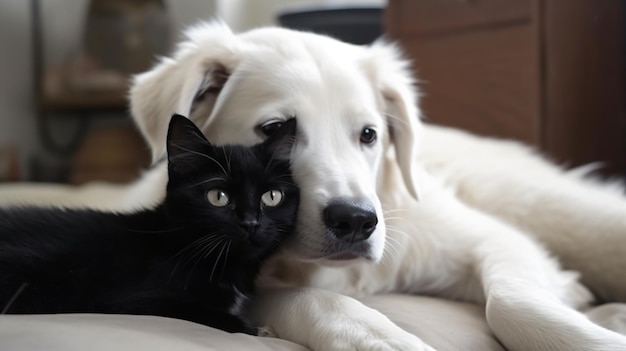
(17, 123)
(62, 23)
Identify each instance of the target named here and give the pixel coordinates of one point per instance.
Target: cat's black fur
(185, 259)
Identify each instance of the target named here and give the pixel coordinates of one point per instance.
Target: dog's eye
(217, 197)
(271, 128)
(368, 135)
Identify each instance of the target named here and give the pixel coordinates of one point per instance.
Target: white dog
(387, 205)
(370, 205)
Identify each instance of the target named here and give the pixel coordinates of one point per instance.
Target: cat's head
(232, 197)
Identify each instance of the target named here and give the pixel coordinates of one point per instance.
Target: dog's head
(354, 106)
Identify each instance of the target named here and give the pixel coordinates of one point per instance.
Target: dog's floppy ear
(392, 76)
(188, 83)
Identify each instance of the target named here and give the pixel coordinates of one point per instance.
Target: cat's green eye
(272, 198)
(218, 197)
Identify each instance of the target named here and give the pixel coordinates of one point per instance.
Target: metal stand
(43, 119)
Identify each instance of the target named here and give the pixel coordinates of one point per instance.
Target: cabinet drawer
(432, 16)
(486, 82)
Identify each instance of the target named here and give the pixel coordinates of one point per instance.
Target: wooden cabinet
(547, 72)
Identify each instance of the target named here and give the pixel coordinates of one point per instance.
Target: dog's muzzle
(350, 221)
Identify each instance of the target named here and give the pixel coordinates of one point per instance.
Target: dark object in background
(126, 35)
(9, 165)
(356, 25)
(121, 37)
(114, 154)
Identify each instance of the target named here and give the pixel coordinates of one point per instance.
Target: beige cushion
(446, 325)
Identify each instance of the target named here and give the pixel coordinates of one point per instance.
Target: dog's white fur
(456, 208)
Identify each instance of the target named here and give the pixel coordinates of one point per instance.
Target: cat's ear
(280, 143)
(186, 145)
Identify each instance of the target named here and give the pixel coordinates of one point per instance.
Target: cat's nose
(249, 225)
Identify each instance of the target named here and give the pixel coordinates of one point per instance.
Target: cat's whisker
(280, 231)
(226, 258)
(227, 158)
(209, 248)
(201, 246)
(197, 243)
(184, 251)
(286, 182)
(203, 155)
(204, 249)
(14, 297)
(206, 181)
(216, 262)
(270, 163)
(199, 255)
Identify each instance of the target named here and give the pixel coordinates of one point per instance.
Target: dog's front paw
(370, 338)
(323, 321)
(369, 331)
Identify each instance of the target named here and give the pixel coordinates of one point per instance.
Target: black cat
(193, 257)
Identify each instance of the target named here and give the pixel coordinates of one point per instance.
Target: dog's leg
(530, 301)
(580, 221)
(324, 320)
(523, 306)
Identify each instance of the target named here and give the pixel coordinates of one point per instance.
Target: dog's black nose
(350, 220)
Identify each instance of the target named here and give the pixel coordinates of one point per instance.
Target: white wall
(16, 106)
(62, 23)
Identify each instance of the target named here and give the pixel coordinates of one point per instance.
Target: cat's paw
(266, 332)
